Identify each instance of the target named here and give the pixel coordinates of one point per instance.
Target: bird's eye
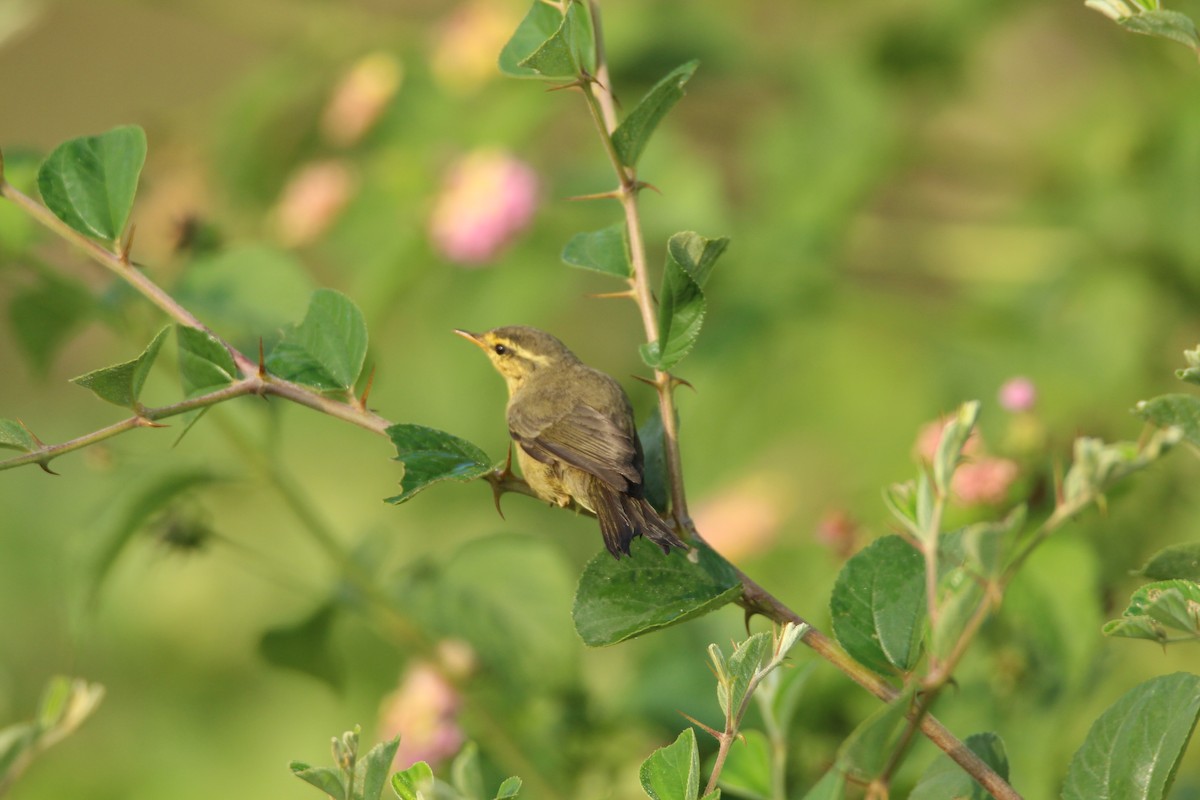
(500, 349)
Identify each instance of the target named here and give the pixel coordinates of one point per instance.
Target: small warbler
(573, 426)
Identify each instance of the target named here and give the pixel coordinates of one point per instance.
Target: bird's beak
(475, 338)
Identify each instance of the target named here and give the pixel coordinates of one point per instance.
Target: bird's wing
(584, 438)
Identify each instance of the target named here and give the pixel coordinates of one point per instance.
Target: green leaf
(673, 772)
(1176, 561)
(954, 437)
(465, 774)
(327, 349)
(878, 605)
(655, 479)
(430, 455)
(327, 780)
(305, 646)
(866, 751)
(634, 132)
(89, 182)
(901, 500)
(510, 788)
(1179, 410)
(1134, 747)
(605, 250)
(946, 780)
(46, 315)
(741, 666)
(1166, 25)
(205, 365)
(414, 783)
(747, 771)
(690, 259)
(570, 51)
(1096, 465)
(618, 600)
(832, 786)
(1190, 373)
(16, 436)
(65, 704)
(1156, 609)
(122, 383)
(540, 24)
(371, 771)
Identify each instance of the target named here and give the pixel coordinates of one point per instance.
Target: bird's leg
(499, 478)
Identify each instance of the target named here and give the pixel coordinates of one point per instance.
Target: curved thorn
(613, 194)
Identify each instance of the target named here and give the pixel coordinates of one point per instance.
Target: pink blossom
(1017, 394)
(930, 436)
(838, 531)
(985, 481)
(360, 98)
(487, 198)
(313, 198)
(464, 52)
(744, 520)
(424, 712)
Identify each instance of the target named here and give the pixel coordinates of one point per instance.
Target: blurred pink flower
(838, 531)
(360, 98)
(464, 51)
(930, 436)
(984, 482)
(744, 520)
(1017, 394)
(312, 199)
(487, 197)
(424, 712)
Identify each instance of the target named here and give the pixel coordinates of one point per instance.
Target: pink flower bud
(1017, 394)
(487, 198)
(313, 198)
(424, 712)
(984, 482)
(360, 98)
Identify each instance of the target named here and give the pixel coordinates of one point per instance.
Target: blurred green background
(924, 199)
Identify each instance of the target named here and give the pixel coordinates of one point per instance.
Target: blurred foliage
(923, 200)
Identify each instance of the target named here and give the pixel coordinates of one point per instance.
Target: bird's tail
(623, 517)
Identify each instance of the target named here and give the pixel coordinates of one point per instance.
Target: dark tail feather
(622, 517)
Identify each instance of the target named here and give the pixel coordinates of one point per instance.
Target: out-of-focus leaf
(327, 349)
(465, 774)
(509, 788)
(865, 752)
(89, 183)
(373, 769)
(878, 605)
(946, 780)
(305, 646)
(16, 436)
(1157, 609)
(414, 783)
(46, 315)
(1179, 410)
(631, 136)
(430, 455)
(832, 786)
(1096, 465)
(681, 309)
(618, 600)
(654, 460)
(65, 704)
(673, 772)
(605, 250)
(954, 437)
(1177, 561)
(1134, 747)
(122, 383)
(1190, 373)
(1170, 25)
(747, 771)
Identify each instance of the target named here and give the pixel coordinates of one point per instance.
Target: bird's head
(519, 352)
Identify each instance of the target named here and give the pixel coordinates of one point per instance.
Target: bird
(574, 433)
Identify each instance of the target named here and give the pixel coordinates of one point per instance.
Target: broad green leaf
(747, 771)
(570, 51)
(1134, 747)
(305, 646)
(954, 437)
(631, 136)
(655, 479)
(465, 774)
(605, 250)
(618, 600)
(673, 772)
(510, 788)
(1176, 561)
(690, 259)
(741, 667)
(46, 315)
(89, 183)
(878, 605)
(865, 752)
(430, 455)
(122, 383)
(1165, 612)
(832, 786)
(205, 364)
(539, 25)
(1166, 25)
(326, 779)
(327, 349)
(1179, 410)
(414, 783)
(16, 436)
(945, 780)
(779, 696)
(372, 770)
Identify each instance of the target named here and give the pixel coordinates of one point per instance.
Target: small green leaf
(959, 595)
(673, 772)
(878, 605)
(567, 52)
(414, 783)
(742, 666)
(16, 436)
(89, 183)
(618, 600)
(901, 500)
(540, 24)
(1190, 373)
(1164, 24)
(635, 131)
(832, 786)
(1134, 747)
(327, 349)
(690, 259)
(946, 780)
(46, 315)
(954, 437)
(510, 788)
(327, 780)
(654, 460)
(373, 769)
(605, 250)
(1176, 561)
(747, 771)
(1178, 410)
(1156, 609)
(865, 752)
(1096, 465)
(305, 646)
(430, 455)
(122, 383)
(205, 364)
(465, 774)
